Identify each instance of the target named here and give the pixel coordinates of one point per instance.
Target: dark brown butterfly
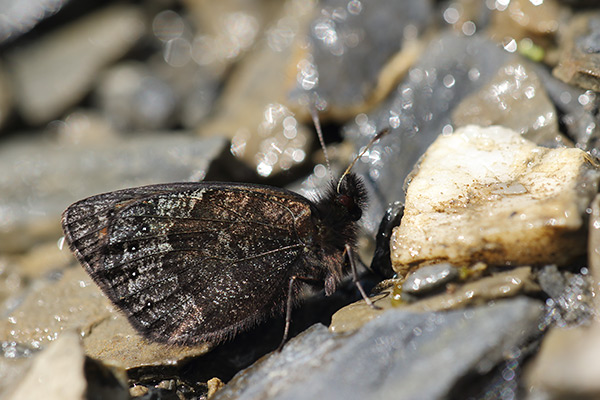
(194, 262)
(190, 262)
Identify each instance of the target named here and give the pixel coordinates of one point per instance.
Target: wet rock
(53, 306)
(228, 29)
(486, 194)
(253, 110)
(116, 343)
(57, 71)
(399, 355)
(566, 365)
(418, 110)
(429, 277)
(520, 19)
(12, 282)
(62, 372)
(341, 66)
(15, 360)
(578, 110)
(594, 247)
(571, 299)
(132, 97)
(498, 286)
(515, 99)
(35, 190)
(74, 302)
(551, 281)
(20, 16)
(579, 62)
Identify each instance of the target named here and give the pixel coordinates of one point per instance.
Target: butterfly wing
(192, 262)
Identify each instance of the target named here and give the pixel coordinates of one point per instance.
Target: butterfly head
(351, 196)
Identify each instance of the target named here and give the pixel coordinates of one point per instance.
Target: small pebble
(429, 277)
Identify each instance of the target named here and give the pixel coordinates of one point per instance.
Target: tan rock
(487, 194)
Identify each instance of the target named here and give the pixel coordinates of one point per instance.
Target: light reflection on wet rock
(570, 296)
(429, 277)
(63, 372)
(340, 64)
(515, 99)
(252, 110)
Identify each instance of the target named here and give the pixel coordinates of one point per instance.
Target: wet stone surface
(342, 36)
(391, 355)
(429, 277)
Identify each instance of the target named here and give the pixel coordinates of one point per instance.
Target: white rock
(487, 194)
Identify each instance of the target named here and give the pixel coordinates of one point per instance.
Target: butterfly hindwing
(193, 261)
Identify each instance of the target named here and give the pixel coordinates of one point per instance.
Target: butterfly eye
(346, 201)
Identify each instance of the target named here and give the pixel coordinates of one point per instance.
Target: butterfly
(194, 262)
(199, 262)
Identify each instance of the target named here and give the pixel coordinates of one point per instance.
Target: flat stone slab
(400, 355)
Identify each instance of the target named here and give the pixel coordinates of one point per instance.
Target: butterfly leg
(288, 311)
(348, 252)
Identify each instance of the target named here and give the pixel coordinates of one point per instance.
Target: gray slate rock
(38, 180)
(400, 355)
(429, 277)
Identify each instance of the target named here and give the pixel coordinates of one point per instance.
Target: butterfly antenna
(379, 135)
(315, 117)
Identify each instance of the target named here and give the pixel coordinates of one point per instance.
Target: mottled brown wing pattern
(192, 262)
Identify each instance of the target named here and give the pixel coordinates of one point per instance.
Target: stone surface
(6, 95)
(594, 248)
(56, 373)
(20, 16)
(75, 302)
(579, 62)
(116, 343)
(253, 110)
(56, 71)
(61, 372)
(570, 301)
(15, 360)
(35, 189)
(515, 99)
(340, 65)
(486, 194)
(498, 286)
(521, 19)
(392, 356)
(567, 363)
(429, 277)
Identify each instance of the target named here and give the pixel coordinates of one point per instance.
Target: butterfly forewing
(193, 261)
